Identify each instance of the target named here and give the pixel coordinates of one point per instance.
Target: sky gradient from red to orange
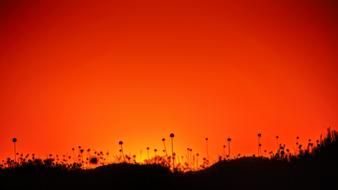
(91, 73)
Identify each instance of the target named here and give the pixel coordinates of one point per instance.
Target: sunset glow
(82, 73)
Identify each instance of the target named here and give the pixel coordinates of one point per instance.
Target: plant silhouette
(229, 142)
(172, 135)
(259, 135)
(311, 169)
(121, 150)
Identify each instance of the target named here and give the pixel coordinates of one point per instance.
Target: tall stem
(207, 148)
(165, 149)
(258, 146)
(15, 152)
(229, 148)
(172, 152)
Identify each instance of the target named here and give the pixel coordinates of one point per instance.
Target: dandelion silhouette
(197, 158)
(224, 147)
(81, 153)
(188, 156)
(172, 148)
(297, 144)
(148, 153)
(14, 140)
(164, 146)
(121, 148)
(259, 135)
(73, 151)
(155, 152)
(187, 165)
(207, 148)
(310, 144)
(229, 142)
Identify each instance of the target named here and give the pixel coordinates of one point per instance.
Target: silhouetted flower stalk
(207, 147)
(164, 147)
(277, 142)
(121, 149)
(14, 140)
(155, 153)
(310, 145)
(224, 154)
(189, 157)
(73, 151)
(172, 149)
(148, 156)
(229, 142)
(81, 154)
(197, 158)
(259, 135)
(297, 145)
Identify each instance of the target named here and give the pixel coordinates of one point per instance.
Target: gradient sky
(91, 73)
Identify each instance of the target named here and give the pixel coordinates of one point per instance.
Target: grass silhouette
(313, 168)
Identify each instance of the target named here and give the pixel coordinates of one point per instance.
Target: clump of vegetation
(313, 167)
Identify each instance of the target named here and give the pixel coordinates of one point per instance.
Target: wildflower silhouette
(229, 142)
(224, 150)
(155, 152)
(148, 156)
(164, 146)
(277, 138)
(317, 164)
(207, 148)
(14, 140)
(172, 135)
(259, 135)
(122, 152)
(197, 159)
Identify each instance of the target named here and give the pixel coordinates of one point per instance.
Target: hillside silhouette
(315, 169)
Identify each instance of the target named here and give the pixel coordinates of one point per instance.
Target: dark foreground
(316, 170)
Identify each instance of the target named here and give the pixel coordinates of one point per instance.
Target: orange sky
(91, 73)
